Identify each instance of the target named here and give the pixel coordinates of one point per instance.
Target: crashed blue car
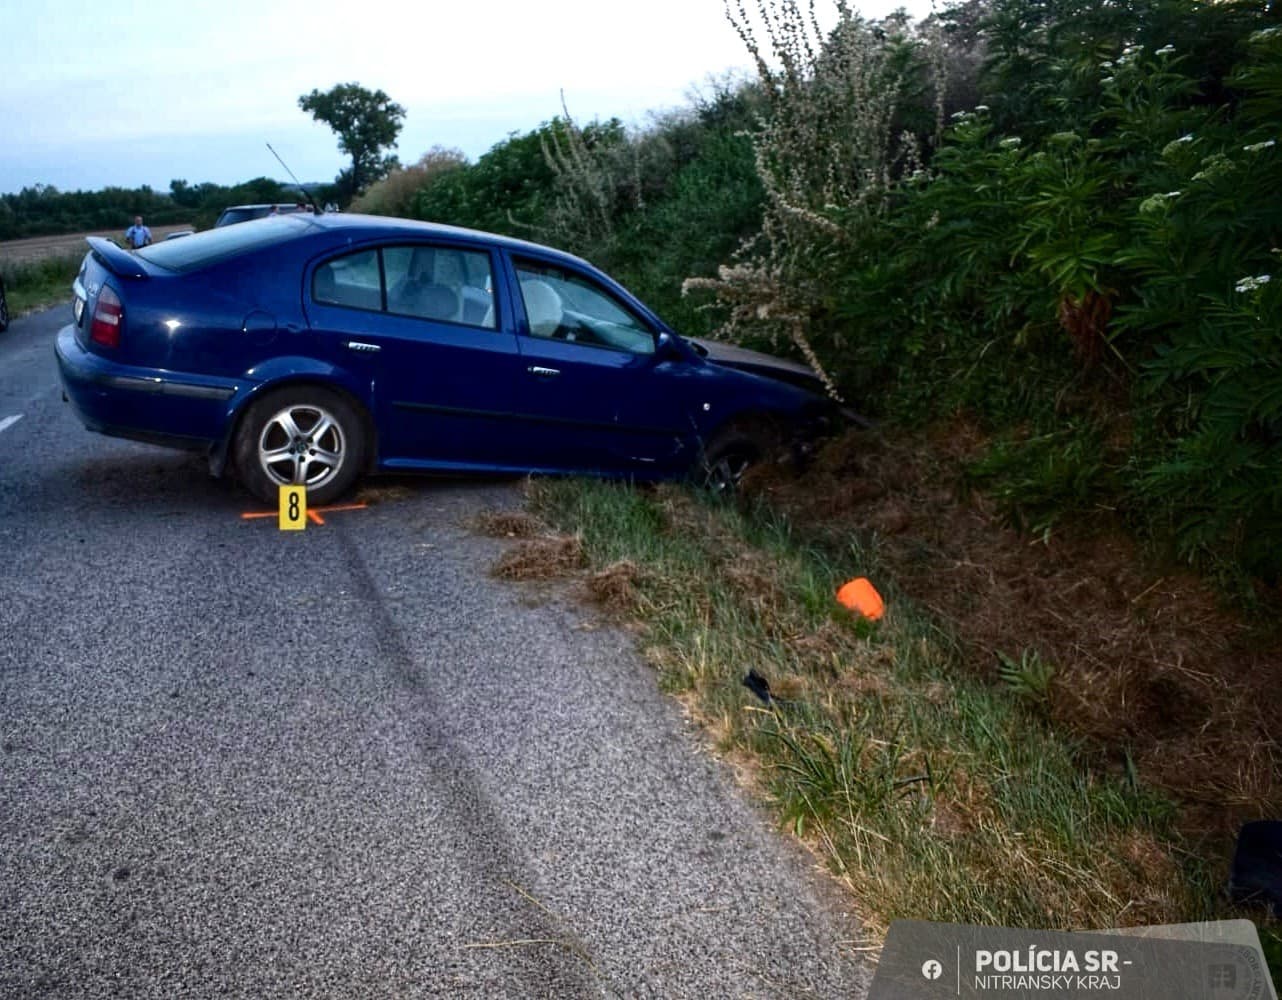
(315, 349)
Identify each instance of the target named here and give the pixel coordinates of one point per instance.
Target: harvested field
(40, 248)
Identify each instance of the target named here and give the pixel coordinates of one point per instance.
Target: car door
(593, 393)
(418, 320)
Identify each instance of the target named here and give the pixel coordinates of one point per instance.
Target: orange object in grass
(861, 596)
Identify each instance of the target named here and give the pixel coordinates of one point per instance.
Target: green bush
(1082, 257)
(1086, 264)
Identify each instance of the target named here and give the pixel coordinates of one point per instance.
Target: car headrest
(325, 288)
(436, 302)
(542, 307)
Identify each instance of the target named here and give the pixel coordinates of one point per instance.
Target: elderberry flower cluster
(1252, 284)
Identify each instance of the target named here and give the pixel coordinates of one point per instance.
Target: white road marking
(8, 422)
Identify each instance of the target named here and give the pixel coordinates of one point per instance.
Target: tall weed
(827, 153)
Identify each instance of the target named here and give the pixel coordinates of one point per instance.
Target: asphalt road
(344, 762)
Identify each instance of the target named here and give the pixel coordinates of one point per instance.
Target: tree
(366, 122)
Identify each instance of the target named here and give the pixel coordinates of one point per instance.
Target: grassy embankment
(37, 284)
(932, 791)
(931, 794)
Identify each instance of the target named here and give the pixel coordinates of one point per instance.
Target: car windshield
(201, 249)
(234, 215)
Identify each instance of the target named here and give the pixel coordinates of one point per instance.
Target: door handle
(543, 372)
(357, 345)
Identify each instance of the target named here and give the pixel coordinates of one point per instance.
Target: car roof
(336, 231)
(379, 226)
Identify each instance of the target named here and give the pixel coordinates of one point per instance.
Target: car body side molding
(538, 418)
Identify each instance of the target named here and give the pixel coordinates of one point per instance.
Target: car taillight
(107, 317)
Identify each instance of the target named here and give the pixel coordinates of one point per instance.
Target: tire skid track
(540, 935)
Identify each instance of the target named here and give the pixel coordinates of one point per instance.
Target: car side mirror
(666, 348)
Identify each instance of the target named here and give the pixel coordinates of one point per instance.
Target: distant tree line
(367, 123)
(43, 210)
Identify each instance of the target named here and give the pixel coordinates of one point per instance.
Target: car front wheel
(728, 456)
(301, 436)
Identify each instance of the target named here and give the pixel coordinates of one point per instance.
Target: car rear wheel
(301, 436)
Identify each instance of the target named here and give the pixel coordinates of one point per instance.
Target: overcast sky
(107, 93)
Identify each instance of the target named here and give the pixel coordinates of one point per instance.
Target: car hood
(731, 356)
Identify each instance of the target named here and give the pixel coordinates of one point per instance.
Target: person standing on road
(138, 235)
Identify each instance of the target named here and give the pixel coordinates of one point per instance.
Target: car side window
(564, 305)
(439, 283)
(352, 280)
(444, 284)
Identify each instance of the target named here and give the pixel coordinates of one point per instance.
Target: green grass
(39, 284)
(932, 794)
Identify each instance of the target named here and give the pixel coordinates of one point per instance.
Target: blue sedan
(314, 349)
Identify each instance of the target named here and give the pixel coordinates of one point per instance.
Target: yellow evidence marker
(293, 508)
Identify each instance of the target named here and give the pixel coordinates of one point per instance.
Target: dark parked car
(4, 307)
(247, 213)
(308, 349)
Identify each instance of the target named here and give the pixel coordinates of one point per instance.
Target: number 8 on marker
(293, 508)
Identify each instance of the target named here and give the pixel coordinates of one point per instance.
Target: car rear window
(200, 249)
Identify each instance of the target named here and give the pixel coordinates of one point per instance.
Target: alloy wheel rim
(301, 445)
(726, 473)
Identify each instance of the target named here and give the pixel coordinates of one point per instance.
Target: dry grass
(383, 493)
(507, 524)
(614, 588)
(548, 557)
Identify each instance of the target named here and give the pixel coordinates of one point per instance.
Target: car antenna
(316, 209)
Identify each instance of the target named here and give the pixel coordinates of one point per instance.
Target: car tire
(4, 308)
(301, 435)
(729, 455)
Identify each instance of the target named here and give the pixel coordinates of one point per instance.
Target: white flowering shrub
(1207, 309)
(1088, 264)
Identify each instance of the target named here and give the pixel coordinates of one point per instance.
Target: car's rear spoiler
(118, 261)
